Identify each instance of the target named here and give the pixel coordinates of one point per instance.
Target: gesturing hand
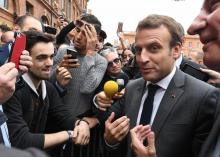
(138, 135)
(117, 130)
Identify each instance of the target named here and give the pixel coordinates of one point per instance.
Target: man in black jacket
(36, 102)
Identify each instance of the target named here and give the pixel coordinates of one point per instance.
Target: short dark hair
(103, 35)
(181, 32)
(21, 19)
(155, 21)
(4, 28)
(34, 37)
(92, 20)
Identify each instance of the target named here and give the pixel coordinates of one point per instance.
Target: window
(4, 4)
(29, 8)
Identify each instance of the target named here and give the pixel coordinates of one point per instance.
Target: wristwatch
(70, 133)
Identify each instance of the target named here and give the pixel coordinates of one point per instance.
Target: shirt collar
(164, 83)
(3, 117)
(28, 80)
(178, 61)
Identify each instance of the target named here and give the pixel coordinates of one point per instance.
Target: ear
(176, 51)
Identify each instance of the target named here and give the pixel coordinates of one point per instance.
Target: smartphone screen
(72, 52)
(16, 50)
(197, 73)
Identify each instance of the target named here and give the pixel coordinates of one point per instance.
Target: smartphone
(50, 30)
(72, 52)
(195, 72)
(119, 29)
(16, 49)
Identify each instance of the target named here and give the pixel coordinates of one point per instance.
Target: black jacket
(27, 122)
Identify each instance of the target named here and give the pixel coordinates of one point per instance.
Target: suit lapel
(136, 102)
(172, 94)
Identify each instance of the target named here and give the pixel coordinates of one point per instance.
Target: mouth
(206, 42)
(146, 70)
(46, 71)
(207, 45)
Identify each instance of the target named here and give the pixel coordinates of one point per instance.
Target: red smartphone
(17, 47)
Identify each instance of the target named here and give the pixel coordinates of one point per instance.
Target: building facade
(47, 11)
(191, 44)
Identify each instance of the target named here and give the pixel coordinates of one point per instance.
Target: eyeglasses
(116, 61)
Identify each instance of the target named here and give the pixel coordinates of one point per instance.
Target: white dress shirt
(163, 84)
(4, 131)
(178, 61)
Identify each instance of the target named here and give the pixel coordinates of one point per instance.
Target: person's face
(31, 24)
(153, 53)
(207, 25)
(8, 36)
(114, 64)
(42, 58)
(126, 56)
(80, 40)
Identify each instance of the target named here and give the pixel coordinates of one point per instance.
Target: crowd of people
(54, 103)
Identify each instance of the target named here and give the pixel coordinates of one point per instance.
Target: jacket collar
(30, 83)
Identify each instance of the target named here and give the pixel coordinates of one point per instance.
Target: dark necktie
(148, 104)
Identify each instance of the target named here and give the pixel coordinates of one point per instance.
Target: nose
(49, 61)
(198, 24)
(143, 57)
(78, 35)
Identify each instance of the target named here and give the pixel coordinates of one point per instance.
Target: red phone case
(17, 48)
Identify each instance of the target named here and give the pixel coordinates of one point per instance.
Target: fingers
(69, 62)
(103, 101)
(5, 68)
(151, 144)
(90, 31)
(63, 72)
(117, 130)
(25, 62)
(9, 71)
(81, 134)
(134, 138)
(111, 117)
(8, 74)
(141, 132)
(122, 121)
(214, 76)
(92, 40)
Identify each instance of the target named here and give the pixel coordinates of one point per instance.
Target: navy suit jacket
(182, 122)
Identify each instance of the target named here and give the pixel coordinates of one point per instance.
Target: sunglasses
(116, 61)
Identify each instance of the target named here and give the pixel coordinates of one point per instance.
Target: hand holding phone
(72, 52)
(70, 60)
(119, 29)
(17, 47)
(195, 72)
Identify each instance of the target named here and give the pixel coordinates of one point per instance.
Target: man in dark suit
(207, 26)
(183, 107)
